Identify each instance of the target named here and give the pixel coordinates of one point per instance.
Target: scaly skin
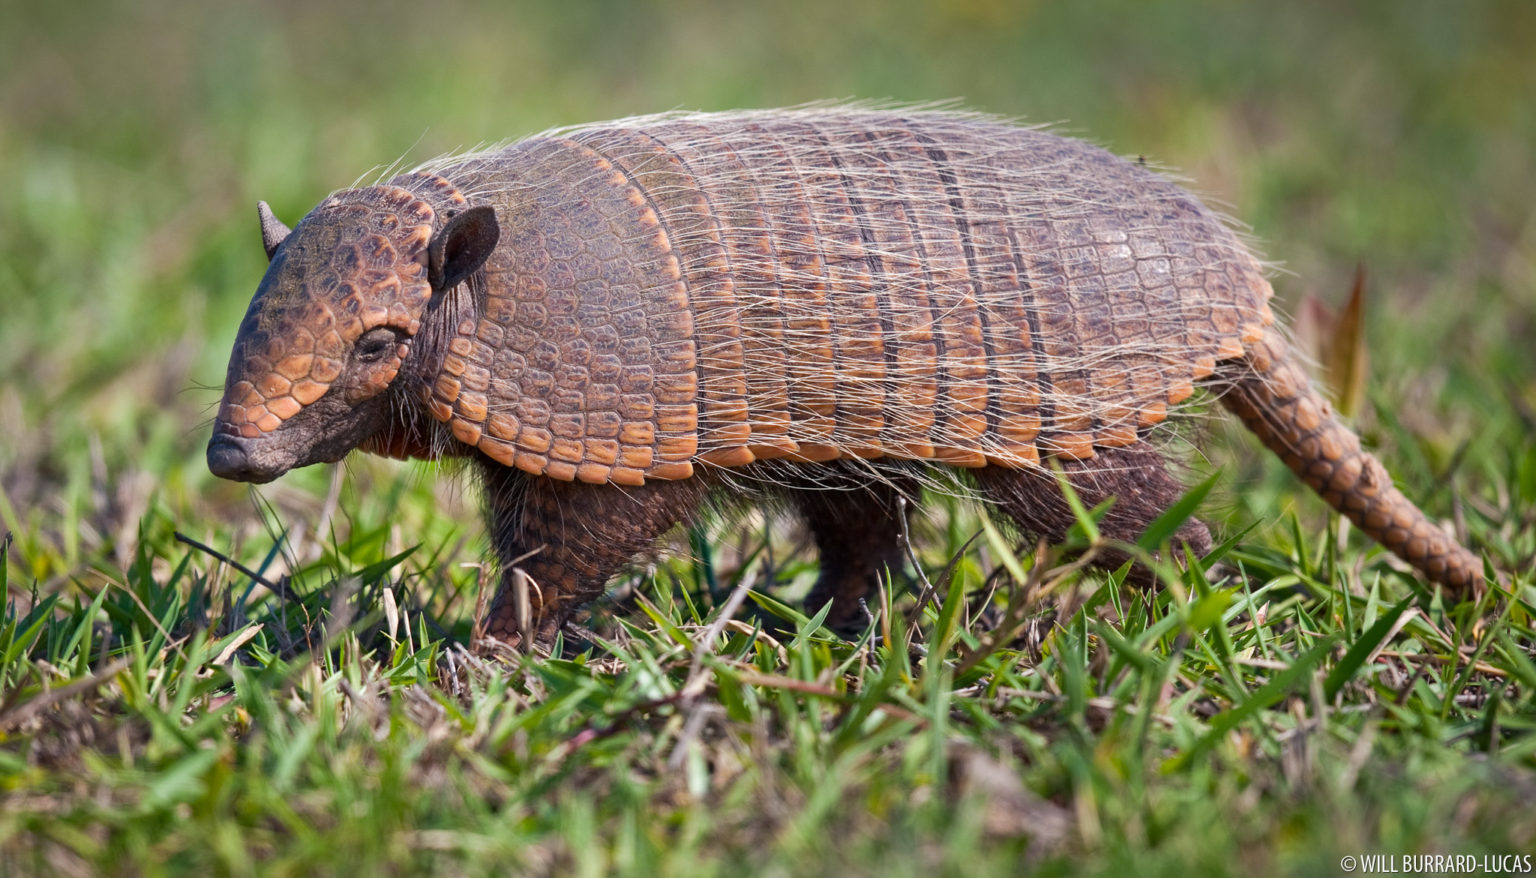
(606, 319)
(817, 287)
(1278, 403)
(290, 346)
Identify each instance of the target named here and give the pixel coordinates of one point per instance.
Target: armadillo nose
(228, 460)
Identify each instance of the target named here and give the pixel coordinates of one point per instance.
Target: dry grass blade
(1345, 355)
(17, 715)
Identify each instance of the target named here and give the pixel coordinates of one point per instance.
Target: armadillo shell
(720, 289)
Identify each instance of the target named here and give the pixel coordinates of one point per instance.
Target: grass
(162, 713)
(167, 721)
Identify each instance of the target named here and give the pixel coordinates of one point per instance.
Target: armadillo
(617, 321)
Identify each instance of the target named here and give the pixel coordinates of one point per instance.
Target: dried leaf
(1344, 354)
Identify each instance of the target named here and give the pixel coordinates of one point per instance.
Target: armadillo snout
(228, 459)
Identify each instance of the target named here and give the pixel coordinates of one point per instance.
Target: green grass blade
(1166, 525)
(1277, 688)
(1361, 649)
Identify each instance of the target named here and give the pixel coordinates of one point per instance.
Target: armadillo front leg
(1136, 477)
(571, 538)
(1272, 395)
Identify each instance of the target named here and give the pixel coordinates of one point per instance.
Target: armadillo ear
(461, 247)
(272, 229)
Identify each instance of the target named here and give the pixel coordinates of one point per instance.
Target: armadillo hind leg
(1272, 395)
(1136, 476)
(858, 535)
(571, 538)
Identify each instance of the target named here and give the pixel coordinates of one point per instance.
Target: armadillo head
(327, 341)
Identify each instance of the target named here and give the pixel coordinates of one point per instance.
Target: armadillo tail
(1277, 402)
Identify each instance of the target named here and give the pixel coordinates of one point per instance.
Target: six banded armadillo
(611, 321)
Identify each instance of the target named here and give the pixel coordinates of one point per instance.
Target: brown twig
(1421, 658)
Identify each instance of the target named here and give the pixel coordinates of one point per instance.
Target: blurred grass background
(135, 138)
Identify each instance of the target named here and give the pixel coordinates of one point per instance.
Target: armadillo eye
(376, 345)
